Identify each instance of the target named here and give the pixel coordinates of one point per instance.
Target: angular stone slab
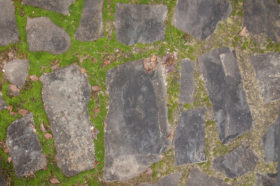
(187, 82)
(24, 147)
(137, 124)
(91, 23)
(2, 102)
(225, 89)
(200, 17)
(236, 163)
(8, 26)
(60, 6)
(140, 23)
(266, 180)
(44, 35)
(262, 16)
(198, 178)
(17, 71)
(169, 180)
(66, 93)
(267, 68)
(190, 137)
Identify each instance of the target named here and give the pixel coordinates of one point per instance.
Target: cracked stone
(266, 180)
(187, 82)
(137, 122)
(169, 180)
(3, 104)
(223, 82)
(66, 93)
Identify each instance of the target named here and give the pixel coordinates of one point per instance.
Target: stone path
(187, 82)
(169, 180)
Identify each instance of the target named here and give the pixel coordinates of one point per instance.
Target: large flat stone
(267, 68)
(190, 137)
(140, 23)
(187, 82)
(225, 89)
(8, 26)
(198, 178)
(236, 163)
(60, 6)
(262, 16)
(266, 180)
(200, 17)
(2, 102)
(137, 124)
(169, 180)
(24, 147)
(91, 23)
(66, 93)
(44, 35)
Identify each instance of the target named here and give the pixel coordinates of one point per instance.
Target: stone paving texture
(169, 180)
(266, 180)
(3, 104)
(187, 82)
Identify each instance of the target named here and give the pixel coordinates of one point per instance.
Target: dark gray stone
(137, 123)
(140, 23)
(2, 180)
(225, 89)
(8, 26)
(66, 93)
(267, 68)
(17, 71)
(44, 35)
(187, 82)
(91, 24)
(190, 137)
(60, 6)
(2, 102)
(169, 180)
(198, 178)
(236, 163)
(24, 147)
(262, 16)
(200, 17)
(266, 180)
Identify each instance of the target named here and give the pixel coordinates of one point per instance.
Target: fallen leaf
(10, 109)
(56, 66)
(149, 171)
(95, 164)
(83, 70)
(48, 136)
(23, 112)
(95, 132)
(96, 110)
(54, 180)
(168, 59)
(106, 62)
(9, 159)
(42, 127)
(13, 88)
(244, 32)
(6, 150)
(96, 88)
(34, 78)
(150, 64)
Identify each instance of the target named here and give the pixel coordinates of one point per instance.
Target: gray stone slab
(190, 137)
(2, 180)
(262, 16)
(225, 89)
(8, 26)
(200, 17)
(236, 163)
(91, 23)
(44, 35)
(24, 147)
(169, 180)
(140, 23)
(266, 180)
(66, 93)
(267, 68)
(60, 6)
(187, 82)
(137, 123)
(198, 178)
(17, 71)
(3, 104)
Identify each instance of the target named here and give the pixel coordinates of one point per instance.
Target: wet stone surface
(169, 180)
(44, 35)
(66, 93)
(200, 17)
(225, 89)
(24, 147)
(137, 124)
(2, 102)
(140, 23)
(266, 180)
(236, 163)
(187, 82)
(190, 137)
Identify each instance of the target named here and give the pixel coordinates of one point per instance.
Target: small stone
(44, 35)
(24, 147)
(266, 180)
(236, 163)
(200, 17)
(187, 82)
(2, 102)
(137, 23)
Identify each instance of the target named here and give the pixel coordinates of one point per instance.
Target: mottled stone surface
(225, 89)
(8, 26)
(137, 124)
(169, 180)
(187, 82)
(2, 102)
(17, 71)
(24, 147)
(140, 23)
(266, 180)
(60, 6)
(44, 35)
(190, 137)
(91, 23)
(267, 68)
(236, 163)
(66, 93)
(2, 180)
(200, 17)
(198, 178)
(262, 16)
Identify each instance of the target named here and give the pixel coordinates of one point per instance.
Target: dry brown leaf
(244, 32)
(23, 112)
(96, 88)
(9, 159)
(83, 70)
(13, 88)
(10, 109)
(42, 127)
(34, 78)
(95, 132)
(56, 66)
(106, 62)
(54, 180)
(150, 64)
(48, 136)
(96, 110)
(95, 164)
